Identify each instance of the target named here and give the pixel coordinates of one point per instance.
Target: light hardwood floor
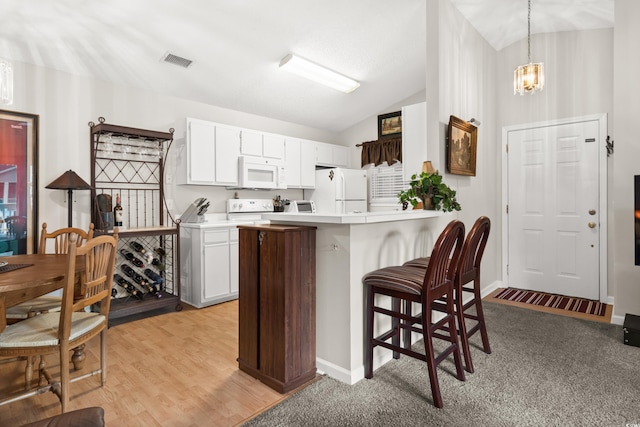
(175, 369)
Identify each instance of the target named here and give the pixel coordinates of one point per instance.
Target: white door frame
(602, 179)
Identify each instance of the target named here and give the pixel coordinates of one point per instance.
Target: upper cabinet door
(273, 146)
(341, 156)
(332, 155)
(201, 152)
(307, 164)
(227, 152)
(251, 143)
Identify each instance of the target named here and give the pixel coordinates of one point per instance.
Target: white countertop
(219, 220)
(351, 218)
(216, 220)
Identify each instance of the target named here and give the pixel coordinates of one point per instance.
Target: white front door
(553, 209)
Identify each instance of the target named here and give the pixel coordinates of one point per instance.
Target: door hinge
(506, 147)
(507, 269)
(507, 208)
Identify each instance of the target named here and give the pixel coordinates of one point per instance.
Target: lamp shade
(69, 181)
(428, 167)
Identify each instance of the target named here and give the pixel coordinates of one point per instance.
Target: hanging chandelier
(528, 78)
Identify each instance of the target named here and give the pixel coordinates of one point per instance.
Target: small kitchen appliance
(300, 206)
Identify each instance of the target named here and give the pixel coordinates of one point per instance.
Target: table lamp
(69, 181)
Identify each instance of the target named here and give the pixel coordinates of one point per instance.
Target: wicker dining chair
(51, 333)
(59, 240)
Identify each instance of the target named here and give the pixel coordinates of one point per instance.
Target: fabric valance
(380, 151)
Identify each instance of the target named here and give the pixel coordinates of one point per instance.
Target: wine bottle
(137, 247)
(117, 212)
(128, 286)
(131, 258)
(160, 252)
(132, 273)
(155, 277)
(140, 280)
(159, 264)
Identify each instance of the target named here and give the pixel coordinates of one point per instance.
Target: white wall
(461, 82)
(626, 87)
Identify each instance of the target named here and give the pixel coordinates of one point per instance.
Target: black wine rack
(130, 162)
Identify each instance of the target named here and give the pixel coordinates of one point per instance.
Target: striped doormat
(580, 305)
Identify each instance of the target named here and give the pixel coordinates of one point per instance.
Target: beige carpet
(545, 370)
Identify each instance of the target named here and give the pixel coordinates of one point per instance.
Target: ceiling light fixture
(528, 78)
(6, 82)
(307, 69)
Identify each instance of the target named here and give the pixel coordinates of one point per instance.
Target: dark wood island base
(277, 304)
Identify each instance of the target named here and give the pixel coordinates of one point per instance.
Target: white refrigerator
(339, 191)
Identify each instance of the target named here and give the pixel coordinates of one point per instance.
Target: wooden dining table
(44, 274)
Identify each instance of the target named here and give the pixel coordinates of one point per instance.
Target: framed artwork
(461, 147)
(18, 183)
(390, 125)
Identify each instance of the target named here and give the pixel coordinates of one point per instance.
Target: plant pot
(427, 204)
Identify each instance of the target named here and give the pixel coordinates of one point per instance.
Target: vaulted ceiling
(236, 46)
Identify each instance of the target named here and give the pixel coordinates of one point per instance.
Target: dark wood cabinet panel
(277, 303)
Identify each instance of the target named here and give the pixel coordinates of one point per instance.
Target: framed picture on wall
(461, 147)
(390, 125)
(18, 183)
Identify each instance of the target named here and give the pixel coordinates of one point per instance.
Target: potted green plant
(429, 188)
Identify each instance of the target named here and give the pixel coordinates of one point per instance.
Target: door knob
(592, 212)
(592, 225)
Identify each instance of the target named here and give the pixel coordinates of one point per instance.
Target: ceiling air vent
(177, 60)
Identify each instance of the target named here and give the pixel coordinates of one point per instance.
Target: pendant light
(528, 78)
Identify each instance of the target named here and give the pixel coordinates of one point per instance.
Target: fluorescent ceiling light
(318, 74)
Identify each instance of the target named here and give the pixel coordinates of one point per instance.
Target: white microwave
(300, 206)
(257, 172)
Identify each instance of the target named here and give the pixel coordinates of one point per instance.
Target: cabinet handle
(261, 237)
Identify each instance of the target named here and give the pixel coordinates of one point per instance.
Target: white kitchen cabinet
(250, 143)
(196, 154)
(208, 155)
(414, 139)
(259, 144)
(273, 146)
(209, 264)
(227, 150)
(292, 162)
(307, 164)
(300, 163)
(332, 155)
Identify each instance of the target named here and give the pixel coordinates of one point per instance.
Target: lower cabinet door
(216, 275)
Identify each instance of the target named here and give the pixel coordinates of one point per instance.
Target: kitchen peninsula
(347, 247)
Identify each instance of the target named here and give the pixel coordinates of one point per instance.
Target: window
(386, 183)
